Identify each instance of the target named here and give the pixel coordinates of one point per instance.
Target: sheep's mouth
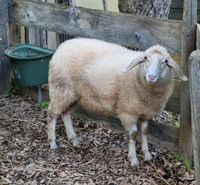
(151, 81)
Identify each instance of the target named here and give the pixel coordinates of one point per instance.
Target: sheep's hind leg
(145, 148)
(51, 131)
(71, 134)
(130, 124)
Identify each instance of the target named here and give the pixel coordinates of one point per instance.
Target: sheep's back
(98, 61)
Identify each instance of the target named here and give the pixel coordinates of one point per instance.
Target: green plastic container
(30, 64)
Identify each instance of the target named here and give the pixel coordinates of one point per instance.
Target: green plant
(177, 157)
(187, 165)
(173, 120)
(180, 158)
(43, 105)
(12, 90)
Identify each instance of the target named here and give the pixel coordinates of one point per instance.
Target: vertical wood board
(198, 37)
(43, 37)
(4, 35)
(16, 35)
(194, 68)
(51, 36)
(34, 36)
(188, 45)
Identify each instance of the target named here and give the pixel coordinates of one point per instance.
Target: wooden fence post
(4, 35)
(34, 35)
(194, 75)
(188, 45)
(51, 36)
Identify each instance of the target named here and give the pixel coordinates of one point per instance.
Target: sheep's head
(157, 65)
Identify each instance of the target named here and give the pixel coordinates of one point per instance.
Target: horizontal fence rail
(128, 30)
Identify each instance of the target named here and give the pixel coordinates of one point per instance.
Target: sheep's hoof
(134, 162)
(75, 142)
(147, 156)
(54, 146)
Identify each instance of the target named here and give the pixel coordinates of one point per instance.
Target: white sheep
(110, 80)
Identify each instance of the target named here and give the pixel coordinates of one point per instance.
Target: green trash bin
(29, 64)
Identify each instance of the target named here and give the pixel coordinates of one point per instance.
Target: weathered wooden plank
(194, 70)
(128, 30)
(43, 38)
(23, 34)
(189, 32)
(51, 36)
(34, 36)
(198, 37)
(15, 36)
(4, 35)
(1, 48)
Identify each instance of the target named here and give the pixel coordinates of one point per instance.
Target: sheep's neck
(150, 95)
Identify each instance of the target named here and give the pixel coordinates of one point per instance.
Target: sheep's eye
(166, 61)
(145, 58)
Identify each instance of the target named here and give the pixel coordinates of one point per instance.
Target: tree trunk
(151, 8)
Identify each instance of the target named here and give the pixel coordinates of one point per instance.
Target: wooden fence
(194, 76)
(178, 36)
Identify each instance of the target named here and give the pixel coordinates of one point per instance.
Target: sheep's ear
(134, 63)
(176, 69)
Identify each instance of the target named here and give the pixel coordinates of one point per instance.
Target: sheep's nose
(151, 77)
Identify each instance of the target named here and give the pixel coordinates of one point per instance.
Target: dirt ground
(25, 157)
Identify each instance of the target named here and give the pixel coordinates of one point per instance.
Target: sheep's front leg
(130, 124)
(51, 131)
(145, 148)
(132, 148)
(71, 134)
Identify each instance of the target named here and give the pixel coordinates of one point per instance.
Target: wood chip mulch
(25, 157)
